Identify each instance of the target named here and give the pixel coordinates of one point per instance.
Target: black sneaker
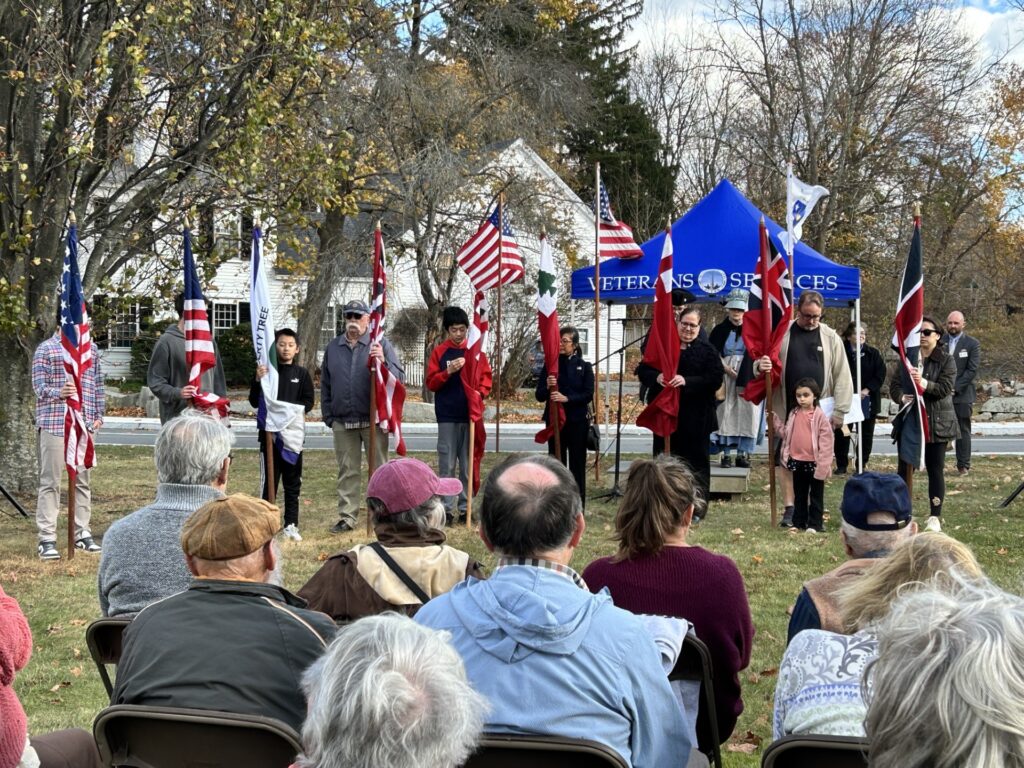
(726, 461)
(787, 518)
(48, 550)
(342, 526)
(742, 461)
(87, 544)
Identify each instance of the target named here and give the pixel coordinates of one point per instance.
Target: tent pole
(860, 427)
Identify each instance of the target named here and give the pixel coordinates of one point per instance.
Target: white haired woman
(947, 689)
(389, 693)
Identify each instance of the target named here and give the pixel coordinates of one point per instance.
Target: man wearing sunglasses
(345, 404)
(809, 348)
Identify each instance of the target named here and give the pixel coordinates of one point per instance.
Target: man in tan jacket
(809, 348)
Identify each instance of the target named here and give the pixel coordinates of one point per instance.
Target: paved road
(1002, 445)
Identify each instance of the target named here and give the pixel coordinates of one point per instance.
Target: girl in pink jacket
(807, 444)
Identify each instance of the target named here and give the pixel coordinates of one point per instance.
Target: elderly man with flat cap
(234, 641)
(876, 517)
(345, 404)
(409, 563)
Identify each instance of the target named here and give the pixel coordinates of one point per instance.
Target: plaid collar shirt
(538, 562)
(48, 377)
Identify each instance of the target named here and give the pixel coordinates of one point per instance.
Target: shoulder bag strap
(397, 570)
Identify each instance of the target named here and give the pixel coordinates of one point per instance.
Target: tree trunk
(18, 470)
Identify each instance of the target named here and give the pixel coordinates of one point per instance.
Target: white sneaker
(933, 524)
(291, 531)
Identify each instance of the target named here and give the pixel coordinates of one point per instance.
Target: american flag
(77, 351)
(199, 352)
(479, 255)
(390, 391)
(912, 420)
(472, 377)
(615, 238)
(768, 311)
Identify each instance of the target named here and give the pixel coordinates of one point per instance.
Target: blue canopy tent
(716, 249)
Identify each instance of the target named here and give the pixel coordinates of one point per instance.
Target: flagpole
(268, 437)
(597, 312)
(766, 324)
(908, 473)
(469, 481)
(72, 473)
(372, 457)
(497, 332)
(790, 248)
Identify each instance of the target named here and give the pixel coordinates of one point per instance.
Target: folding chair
(694, 663)
(165, 737)
(816, 752)
(515, 751)
(104, 638)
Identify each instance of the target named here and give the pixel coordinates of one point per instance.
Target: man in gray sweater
(167, 376)
(142, 560)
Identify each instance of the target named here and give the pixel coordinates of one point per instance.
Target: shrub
(237, 355)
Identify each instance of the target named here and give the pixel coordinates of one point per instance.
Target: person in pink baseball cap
(409, 563)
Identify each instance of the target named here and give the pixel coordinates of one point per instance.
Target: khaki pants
(51, 470)
(348, 450)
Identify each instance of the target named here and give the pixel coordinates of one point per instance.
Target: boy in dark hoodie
(451, 409)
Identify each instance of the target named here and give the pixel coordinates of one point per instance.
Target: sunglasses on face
(353, 315)
(929, 332)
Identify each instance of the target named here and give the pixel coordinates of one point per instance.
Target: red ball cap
(404, 484)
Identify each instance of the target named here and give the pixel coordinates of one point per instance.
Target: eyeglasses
(689, 326)
(811, 318)
(929, 332)
(353, 315)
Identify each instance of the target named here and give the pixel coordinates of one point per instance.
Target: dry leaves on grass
(750, 742)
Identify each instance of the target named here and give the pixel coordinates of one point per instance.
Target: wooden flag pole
(553, 416)
(597, 312)
(373, 436)
(771, 446)
(269, 461)
(469, 482)
(497, 331)
(72, 475)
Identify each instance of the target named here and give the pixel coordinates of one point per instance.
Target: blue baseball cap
(871, 492)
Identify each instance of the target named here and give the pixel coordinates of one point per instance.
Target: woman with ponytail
(656, 571)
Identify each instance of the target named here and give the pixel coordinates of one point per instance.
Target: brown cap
(230, 527)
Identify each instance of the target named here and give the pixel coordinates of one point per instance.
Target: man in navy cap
(345, 404)
(876, 516)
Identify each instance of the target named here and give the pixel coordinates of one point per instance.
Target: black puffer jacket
(575, 381)
(939, 370)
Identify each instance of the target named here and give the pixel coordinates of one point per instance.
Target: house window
(329, 328)
(123, 322)
(584, 341)
(228, 315)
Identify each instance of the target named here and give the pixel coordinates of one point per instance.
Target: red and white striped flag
(199, 352)
(615, 238)
(472, 378)
(767, 318)
(77, 352)
(479, 256)
(390, 391)
(662, 352)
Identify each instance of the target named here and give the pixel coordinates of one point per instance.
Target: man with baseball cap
(409, 563)
(234, 641)
(876, 516)
(345, 404)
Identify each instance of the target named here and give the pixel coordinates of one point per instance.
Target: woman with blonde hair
(656, 571)
(819, 687)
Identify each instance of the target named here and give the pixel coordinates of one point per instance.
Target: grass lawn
(61, 688)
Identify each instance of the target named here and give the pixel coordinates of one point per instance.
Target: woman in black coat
(574, 389)
(698, 376)
(936, 374)
(872, 377)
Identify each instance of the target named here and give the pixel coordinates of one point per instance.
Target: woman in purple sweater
(656, 572)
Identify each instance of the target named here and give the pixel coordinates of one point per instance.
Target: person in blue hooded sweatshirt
(550, 657)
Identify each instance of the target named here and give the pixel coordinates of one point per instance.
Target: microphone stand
(615, 492)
